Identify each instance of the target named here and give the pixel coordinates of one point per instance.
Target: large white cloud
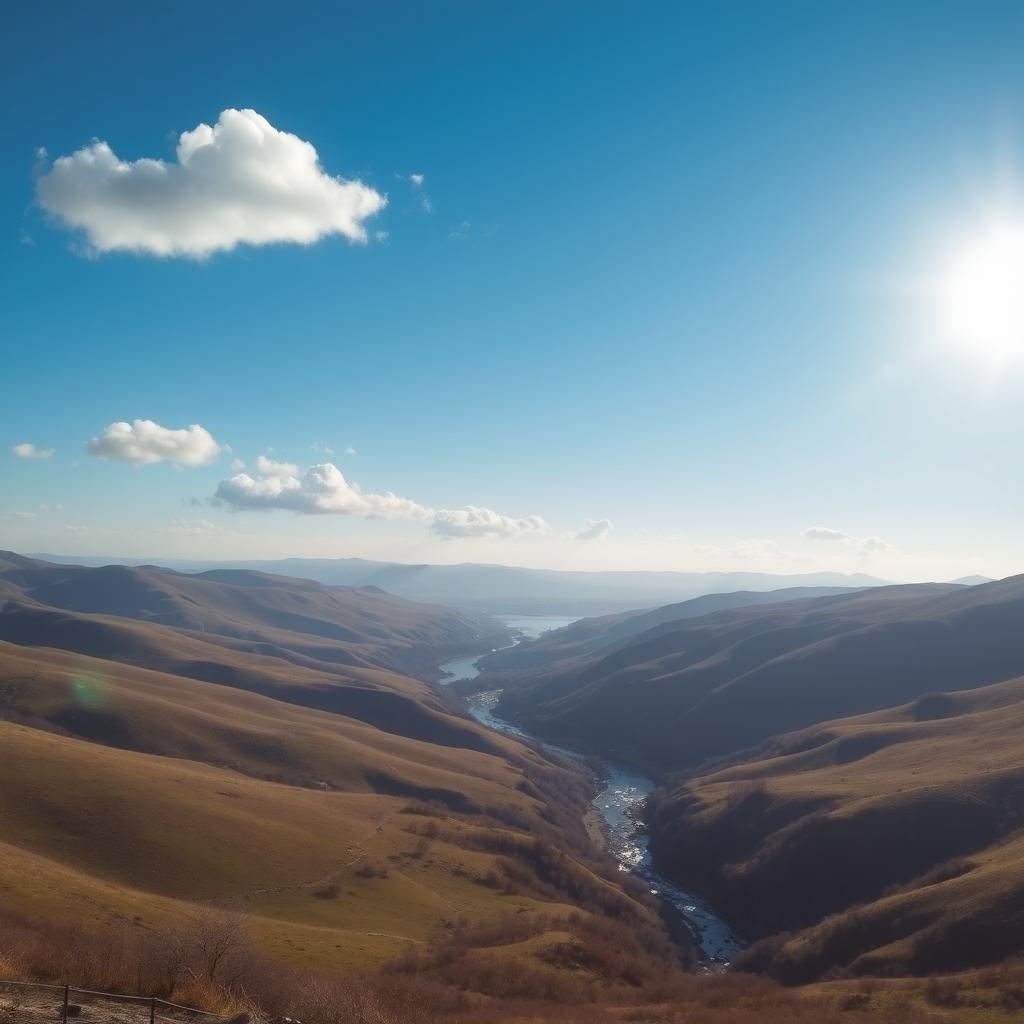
(323, 489)
(142, 442)
(239, 182)
(27, 450)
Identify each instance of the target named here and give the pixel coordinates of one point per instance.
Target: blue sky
(674, 269)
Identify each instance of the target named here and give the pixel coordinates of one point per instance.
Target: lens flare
(89, 690)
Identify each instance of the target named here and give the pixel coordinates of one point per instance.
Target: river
(618, 803)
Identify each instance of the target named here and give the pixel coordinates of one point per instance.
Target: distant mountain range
(508, 590)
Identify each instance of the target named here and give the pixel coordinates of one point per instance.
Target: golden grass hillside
(348, 810)
(884, 843)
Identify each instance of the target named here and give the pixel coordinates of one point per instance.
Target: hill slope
(887, 842)
(256, 742)
(513, 590)
(694, 689)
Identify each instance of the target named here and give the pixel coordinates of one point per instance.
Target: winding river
(618, 804)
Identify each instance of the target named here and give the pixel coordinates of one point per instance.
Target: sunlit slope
(94, 834)
(124, 706)
(904, 824)
(702, 688)
(260, 744)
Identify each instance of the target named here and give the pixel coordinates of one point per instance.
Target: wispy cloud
(417, 182)
(143, 442)
(864, 545)
(27, 450)
(595, 529)
(239, 182)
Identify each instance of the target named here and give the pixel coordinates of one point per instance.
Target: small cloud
(13, 517)
(351, 451)
(461, 231)
(76, 531)
(824, 533)
(595, 529)
(239, 182)
(866, 546)
(381, 236)
(143, 442)
(424, 200)
(237, 465)
(874, 545)
(194, 528)
(27, 450)
(473, 521)
(270, 468)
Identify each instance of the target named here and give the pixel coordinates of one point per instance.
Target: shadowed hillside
(889, 842)
(692, 689)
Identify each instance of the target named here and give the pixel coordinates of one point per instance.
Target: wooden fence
(70, 1010)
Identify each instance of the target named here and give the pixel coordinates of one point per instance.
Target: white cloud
(237, 465)
(267, 467)
(240, 182)
(194, 528)
(473, 521)
(27, 450)
(874, 545)
(424, 200)
(865, 545)
(323, 489)
(351, 451)
(143, 442)
(824, 533)
(595, 529)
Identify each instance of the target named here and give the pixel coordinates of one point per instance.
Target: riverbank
(612, 821)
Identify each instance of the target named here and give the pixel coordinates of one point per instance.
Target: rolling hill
(258, 744)
(513, 590)
(891, 842)
(693, 689)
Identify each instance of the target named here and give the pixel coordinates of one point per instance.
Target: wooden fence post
(64, 1010)
(152, 1010)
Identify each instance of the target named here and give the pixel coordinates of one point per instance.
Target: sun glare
(982, 292)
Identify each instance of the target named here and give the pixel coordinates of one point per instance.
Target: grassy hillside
(255, 743)
(890, 842)
(693, 689)
(591, 637)
(513, 590)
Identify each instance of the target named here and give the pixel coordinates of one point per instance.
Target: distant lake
(524, 627)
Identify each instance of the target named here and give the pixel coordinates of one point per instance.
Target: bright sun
(982, 292)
